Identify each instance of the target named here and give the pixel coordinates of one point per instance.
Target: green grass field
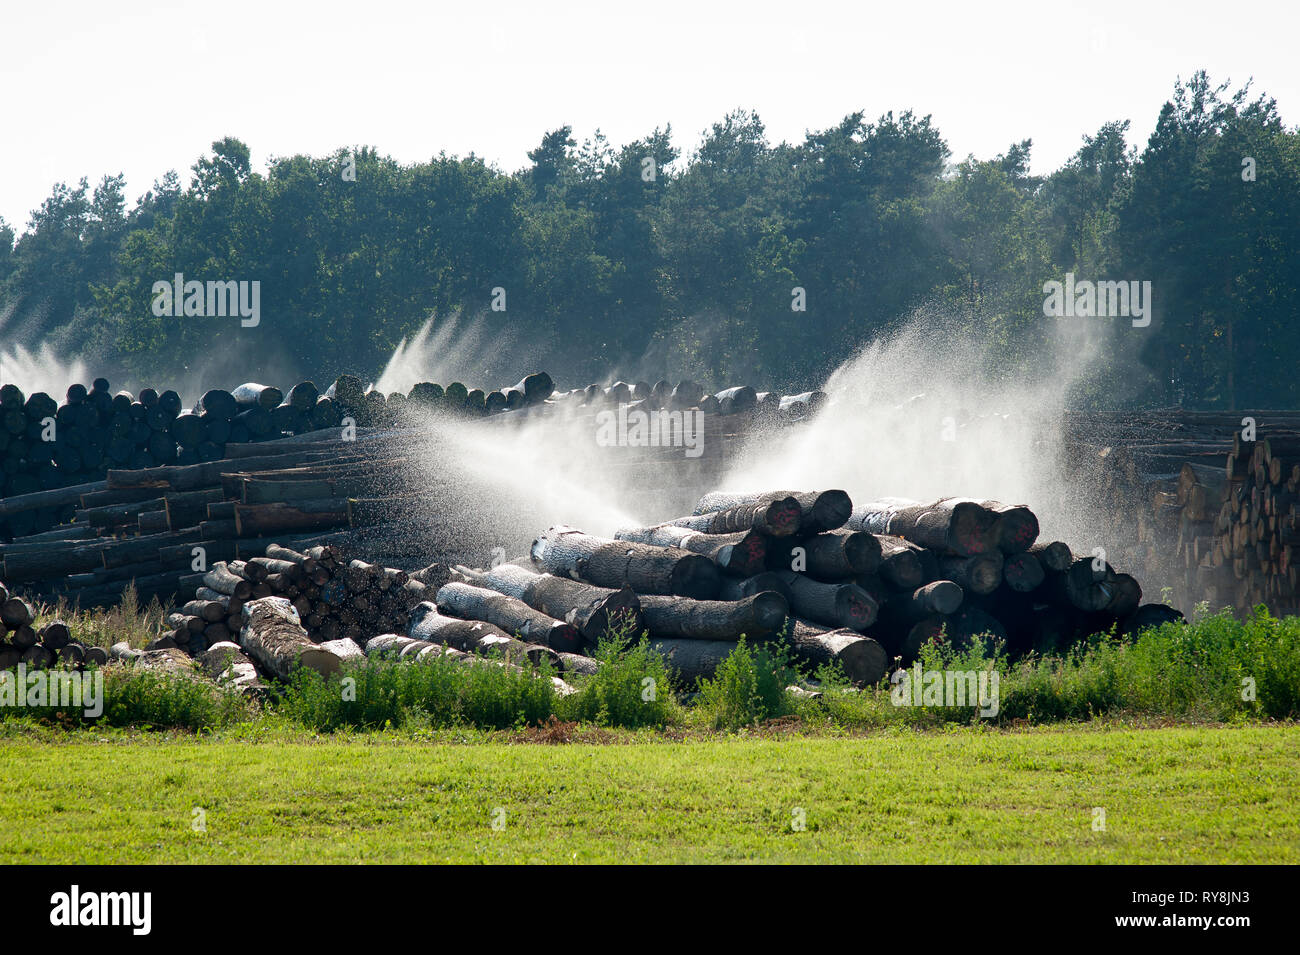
(1186, 794)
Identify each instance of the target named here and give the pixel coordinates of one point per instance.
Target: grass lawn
(1192, 794)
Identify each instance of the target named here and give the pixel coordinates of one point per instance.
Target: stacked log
(1190, 503)
(1253, 536)
(863, 595)
(46, 446)
(154, 527)
(51, 644)
(334, 597)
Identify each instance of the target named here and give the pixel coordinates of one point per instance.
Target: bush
(378, 693)
(138, 698)
(146, 698)
(631, 688)
(1193, 670)
(749, 686)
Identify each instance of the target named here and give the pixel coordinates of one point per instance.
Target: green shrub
(632, 688)
(1191, 670)
(378, 693)
(147, 699)
(748, 686)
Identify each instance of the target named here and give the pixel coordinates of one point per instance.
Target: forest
(735, 259)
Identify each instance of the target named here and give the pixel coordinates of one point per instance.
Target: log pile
(159, 529)
(1192, 504)
(828, 581)
(51, 644)
(333, 597)
(45, 445)
(536, 393)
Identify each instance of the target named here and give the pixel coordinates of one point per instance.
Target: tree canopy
(742, 258)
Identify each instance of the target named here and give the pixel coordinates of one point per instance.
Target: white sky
(140, 87)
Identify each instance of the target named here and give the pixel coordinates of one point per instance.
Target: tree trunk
(979, 574)
(754, 617)
(818, 510)
(567, 552)
(739, 589)
(224, 581)
(1017, 526)
(273, 636)
(837, 606)
(595, 611)
(1053, 555)
(831, 556)
(1023, 572)
(862, 659)
(226, 663)
(940, 597)
(774, 518)
(900, 564)
(693, 660)
(952, 525)
(510, 614)
(743, 554)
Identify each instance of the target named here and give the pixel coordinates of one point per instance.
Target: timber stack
(831, 582)
(45, 445)
(1201, 503)
(156, 528)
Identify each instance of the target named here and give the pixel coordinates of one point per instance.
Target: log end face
(863, 660)
(855, 607)
(770, 612)
(781, 518)
(697, 577)
(831, 509)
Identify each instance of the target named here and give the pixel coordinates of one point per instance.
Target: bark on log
(568, 552)
(1053, 555)
(1150, 615)
(754, 617)
(774, 518)
(1023, 572)
(345, 649)
(940, 597)
(1017, 526)
(834, 555)
(743, 554)
(979, 574)
(56, 635)
(258, 519)
(970, 622)
(1084, 586)
(171, 661)
(1126, 598)
(510, 614)
(904, 642)
(838, 606)
(595, 611)
(221, 579)
(956, 526)
(900, 564)
(227, 664)
(577, 663)
(862, 659)
(469, 636)
(274, 637)
(692, 660)
(735, 589)
(818, 510)
(55, 498)
(16, 612)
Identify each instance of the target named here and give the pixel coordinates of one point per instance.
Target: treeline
(744, 257)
